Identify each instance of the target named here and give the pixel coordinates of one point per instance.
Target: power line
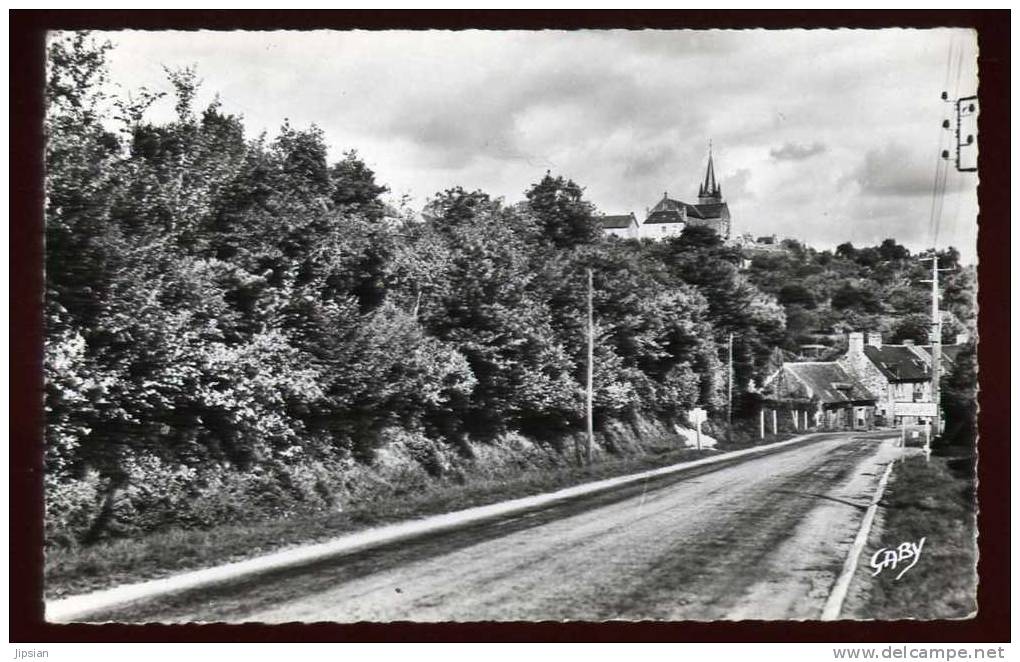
(956, 205)
(938, 181)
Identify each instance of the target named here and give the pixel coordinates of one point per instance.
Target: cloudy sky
(825, 136)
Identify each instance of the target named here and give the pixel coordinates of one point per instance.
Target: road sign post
(697, 417)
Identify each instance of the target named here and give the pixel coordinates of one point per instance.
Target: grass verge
(109, 563)
(926, 499)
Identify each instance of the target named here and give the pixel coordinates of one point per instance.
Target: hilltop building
(669, 216)
(625, 226)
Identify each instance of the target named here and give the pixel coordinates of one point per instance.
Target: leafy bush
(72, 506)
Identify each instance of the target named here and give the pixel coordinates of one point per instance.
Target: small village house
(624, 226)
(872, 385)
(900, 376)
(822, 394)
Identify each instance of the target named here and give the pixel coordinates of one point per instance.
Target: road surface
(763, 538)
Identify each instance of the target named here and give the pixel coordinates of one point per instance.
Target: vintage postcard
(510, 326)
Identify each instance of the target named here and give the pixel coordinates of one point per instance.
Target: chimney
(962, 338)
(908, 342)
(855, 343)
(875, 339)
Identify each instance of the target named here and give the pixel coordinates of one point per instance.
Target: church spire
(709, 191)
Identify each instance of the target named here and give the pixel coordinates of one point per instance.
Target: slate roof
(949, 355)
(952, 352)
(828, 382)
(669, 210)
(899, 363)
(709, 210)
(668, 204)
(618, 221)
(664, 216)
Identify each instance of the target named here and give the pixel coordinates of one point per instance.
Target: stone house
(823, 390)
(899, 376)
(625, 226)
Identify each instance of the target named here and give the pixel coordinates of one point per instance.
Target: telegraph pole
(936, 348)
(591, 367)
(936, 343)
(729, 396)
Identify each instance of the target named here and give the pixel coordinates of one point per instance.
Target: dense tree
(846, 250)
(796, 293)
(850, 297)
(354, 186)
(698, 236)
(915, 328)
(959, 398)
(890, 250)
(565, 218)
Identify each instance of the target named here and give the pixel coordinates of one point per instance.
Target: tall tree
(566, 219)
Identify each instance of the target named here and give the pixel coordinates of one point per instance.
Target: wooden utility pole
(591, 367)
(936, 343)
(729, 396)
(936, 347)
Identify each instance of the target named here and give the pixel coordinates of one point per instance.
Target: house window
(918, 392)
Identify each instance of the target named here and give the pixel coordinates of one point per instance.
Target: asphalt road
(763, 538)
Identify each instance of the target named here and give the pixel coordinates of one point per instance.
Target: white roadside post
(698, 416)
(761, 423)
(775, 423)
(920, 410)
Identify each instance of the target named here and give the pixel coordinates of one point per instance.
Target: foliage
(236, 325)
(959, 398)
(564, 217)
(870, 288)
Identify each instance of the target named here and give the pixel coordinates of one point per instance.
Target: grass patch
(108, 563)
(925, 499)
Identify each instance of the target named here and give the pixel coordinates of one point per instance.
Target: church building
(669, 217)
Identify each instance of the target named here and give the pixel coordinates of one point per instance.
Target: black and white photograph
(458, 326)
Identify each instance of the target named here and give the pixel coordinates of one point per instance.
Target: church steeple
(709, 191)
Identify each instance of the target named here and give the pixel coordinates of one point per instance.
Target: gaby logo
(892, 558)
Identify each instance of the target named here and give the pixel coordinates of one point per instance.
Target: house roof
(674, 208)
(709, 210)
(617, 221)
(667, 204)
(828, 381)
(664, 216)
(949, 354)
(899, 363)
